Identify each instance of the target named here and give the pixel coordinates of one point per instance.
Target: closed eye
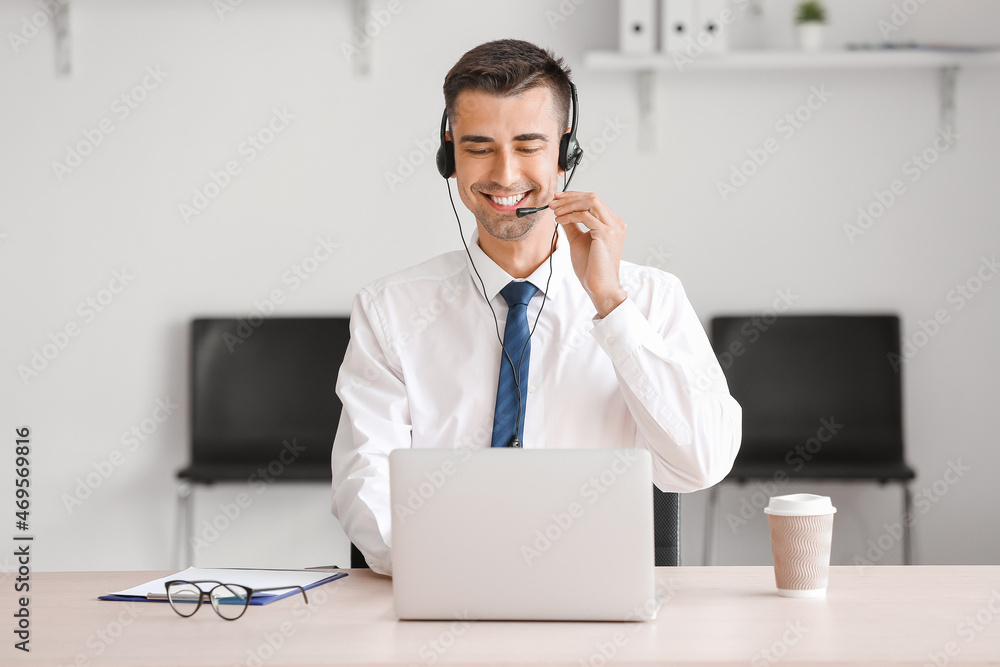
(484, 151)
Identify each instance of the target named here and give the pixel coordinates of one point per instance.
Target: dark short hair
(507, 68)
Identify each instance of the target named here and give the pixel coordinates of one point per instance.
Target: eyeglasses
(228, 600)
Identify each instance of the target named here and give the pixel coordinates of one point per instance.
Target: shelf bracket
(947, 77)
(363, 55)
(64, 40)
(647, 111)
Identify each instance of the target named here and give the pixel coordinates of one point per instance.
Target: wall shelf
(786, 60)
(648, 66)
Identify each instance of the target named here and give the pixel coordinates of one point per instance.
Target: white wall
(324, 175)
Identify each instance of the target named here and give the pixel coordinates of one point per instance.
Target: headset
(570, 155)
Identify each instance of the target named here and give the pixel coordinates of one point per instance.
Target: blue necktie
(515, 336)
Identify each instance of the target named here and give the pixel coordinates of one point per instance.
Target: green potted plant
(810, 19)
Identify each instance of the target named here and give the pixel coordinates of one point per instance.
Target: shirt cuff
(622, 331)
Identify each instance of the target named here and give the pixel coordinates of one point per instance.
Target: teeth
(508, 201)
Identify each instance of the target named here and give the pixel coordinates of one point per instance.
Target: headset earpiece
(570, 152)
(446, 152)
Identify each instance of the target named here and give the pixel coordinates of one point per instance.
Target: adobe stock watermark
(709, 379)
(424, 315)
(786, 127)
(900, 16)
(372, 26)
(408, 163)
(103, 638)
(562, 522)
(562, 12)
(295, 276)
(224, 8)
(658, 257)
(229, 513)
(30, 26)
(923, 502)
(606, 651)
(274, 641)
(958, 297)
(248, 149)
(578, 334)
(701, 43)
(796, 458)
(592, 150)
(434, 481)
(433, 649)
(663, 593)
(87, 310)
(634, 279)
(967, 630)
(779, 647)
(121, 108)
(131, 440)
(914, 167)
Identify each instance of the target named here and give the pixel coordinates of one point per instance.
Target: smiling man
(614, 356)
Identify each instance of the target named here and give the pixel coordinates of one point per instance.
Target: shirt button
(531, 389)
(611, 340)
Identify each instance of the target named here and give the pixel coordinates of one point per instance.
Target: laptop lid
(522, 534)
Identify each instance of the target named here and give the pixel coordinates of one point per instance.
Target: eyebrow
(479, 139)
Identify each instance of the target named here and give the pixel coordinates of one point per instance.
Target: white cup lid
(800, 504)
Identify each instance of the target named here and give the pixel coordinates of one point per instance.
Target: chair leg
(907, 520)
(183, 556)
(708, 555)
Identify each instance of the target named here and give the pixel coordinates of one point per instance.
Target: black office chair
(263, 405)
(821, 398)
(666, 531)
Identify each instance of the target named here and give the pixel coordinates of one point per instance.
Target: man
(617, 359)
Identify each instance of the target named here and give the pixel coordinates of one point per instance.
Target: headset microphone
(521, 212)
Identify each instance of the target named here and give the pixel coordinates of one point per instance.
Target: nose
(505, 169)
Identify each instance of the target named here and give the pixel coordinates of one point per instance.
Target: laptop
(522, 534)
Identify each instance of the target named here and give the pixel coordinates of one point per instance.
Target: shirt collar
(495, 278)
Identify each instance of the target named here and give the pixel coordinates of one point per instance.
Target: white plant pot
(810, 36)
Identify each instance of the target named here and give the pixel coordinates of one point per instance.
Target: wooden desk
(713, 616)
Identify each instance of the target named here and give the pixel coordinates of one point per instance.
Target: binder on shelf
(637, 26)
(677, 23)
(712, 35)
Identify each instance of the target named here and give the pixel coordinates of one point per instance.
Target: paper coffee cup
(801, 527)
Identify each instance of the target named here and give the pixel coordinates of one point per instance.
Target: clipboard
(249, 577)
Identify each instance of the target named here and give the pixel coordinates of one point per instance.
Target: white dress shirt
(422, 366)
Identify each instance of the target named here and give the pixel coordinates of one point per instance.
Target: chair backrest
(666, 532)
(797, 375)
(666, 528)
(266, 392)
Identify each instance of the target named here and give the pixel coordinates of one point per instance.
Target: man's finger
(585, 217)
(580, 202)
(572, 231)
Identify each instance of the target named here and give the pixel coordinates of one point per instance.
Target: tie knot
(518, 293)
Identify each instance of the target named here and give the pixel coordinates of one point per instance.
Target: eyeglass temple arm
(278, 588)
